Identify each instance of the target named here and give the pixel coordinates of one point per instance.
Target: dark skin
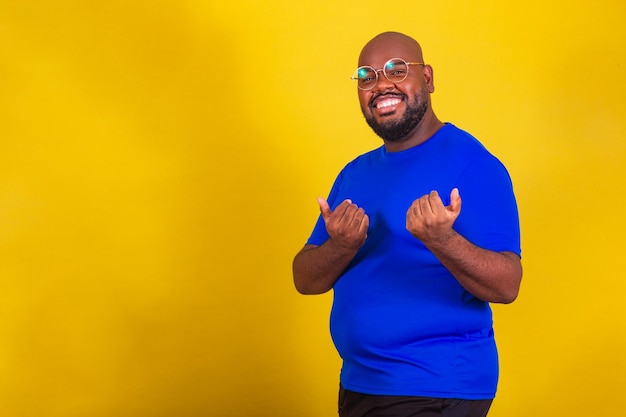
(488, 275)
(420, 79)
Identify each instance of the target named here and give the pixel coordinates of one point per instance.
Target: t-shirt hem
(420, 393)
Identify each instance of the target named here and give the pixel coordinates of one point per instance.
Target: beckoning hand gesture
(429, 220)
(347, 225)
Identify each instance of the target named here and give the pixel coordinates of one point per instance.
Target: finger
(425, 205)
(415, 208)
(324, 208)
(435, 202)
(365, 222)
(344, 212)
(455, 201)
(358, 216)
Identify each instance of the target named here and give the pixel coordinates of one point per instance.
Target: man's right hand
(347, 225)
(317, 268)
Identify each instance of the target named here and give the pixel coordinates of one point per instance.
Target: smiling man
(412, 272)
(392, 113)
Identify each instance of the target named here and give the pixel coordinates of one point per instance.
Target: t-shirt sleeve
(489, 216)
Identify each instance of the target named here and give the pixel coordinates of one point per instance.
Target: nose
(382, 83)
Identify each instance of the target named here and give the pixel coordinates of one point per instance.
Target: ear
(429, 78)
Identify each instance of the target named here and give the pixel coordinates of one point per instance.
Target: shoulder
(365, 160)
(458, 150)
(461, 140)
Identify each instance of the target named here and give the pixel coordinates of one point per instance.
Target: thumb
(455, 201)
(324, 208)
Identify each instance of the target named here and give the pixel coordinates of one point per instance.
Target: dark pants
(354, 404)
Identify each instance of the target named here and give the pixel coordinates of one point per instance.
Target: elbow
(507, 297)
(306, 287)
(308, 291)
(300, 287)
(306, 284)
(512, 281)
(306, 281)
(502, 296)
(510, 292)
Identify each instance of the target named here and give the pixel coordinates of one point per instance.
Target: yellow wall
(159, 163)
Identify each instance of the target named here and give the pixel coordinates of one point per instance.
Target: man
(416, 239)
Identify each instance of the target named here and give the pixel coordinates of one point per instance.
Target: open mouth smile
(386, 103)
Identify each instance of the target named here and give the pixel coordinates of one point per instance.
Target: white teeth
(387, 103)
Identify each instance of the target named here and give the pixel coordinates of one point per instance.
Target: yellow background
(159, 164)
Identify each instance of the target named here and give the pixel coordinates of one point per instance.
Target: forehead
(381, 49)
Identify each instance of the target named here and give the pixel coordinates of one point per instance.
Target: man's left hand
(429, 220)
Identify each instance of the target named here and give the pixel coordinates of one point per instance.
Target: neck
(426, 128)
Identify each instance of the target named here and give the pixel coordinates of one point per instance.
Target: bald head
(391, 45)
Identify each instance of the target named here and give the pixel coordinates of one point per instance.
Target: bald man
(416, 239)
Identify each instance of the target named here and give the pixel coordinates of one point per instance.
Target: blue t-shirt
(402, 324)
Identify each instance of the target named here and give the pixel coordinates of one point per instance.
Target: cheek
(364, 99)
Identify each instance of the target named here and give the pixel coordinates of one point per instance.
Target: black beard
(398, 130)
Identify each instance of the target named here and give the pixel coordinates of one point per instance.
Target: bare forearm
(316, 268)
(491, 276)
